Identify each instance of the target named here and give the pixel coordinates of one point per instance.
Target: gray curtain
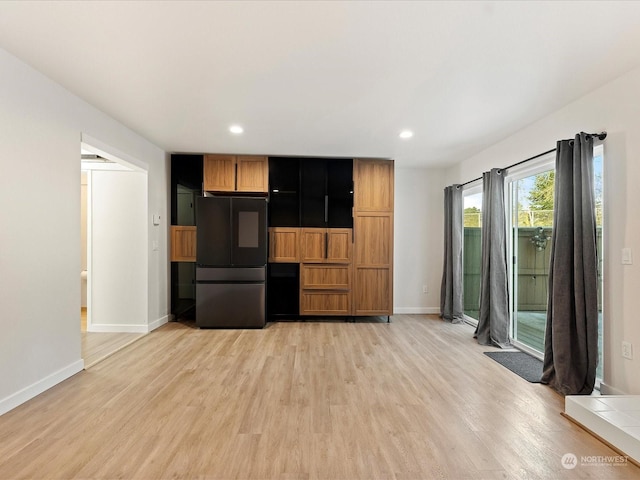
(493, 321)
(571, 337)
(451, 308)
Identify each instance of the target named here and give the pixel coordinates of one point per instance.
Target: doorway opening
(114, 253)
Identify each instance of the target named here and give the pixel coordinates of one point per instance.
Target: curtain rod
(601, 136)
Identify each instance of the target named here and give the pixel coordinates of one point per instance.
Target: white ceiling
(326, 78)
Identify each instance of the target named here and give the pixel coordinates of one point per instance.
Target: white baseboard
(117, 328)
(159, 322)
(27, 393)
(609, 390)
(416, 310)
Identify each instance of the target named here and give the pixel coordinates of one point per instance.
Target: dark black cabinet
(186, 187)
(339, 194)
(284, 192)
(310, 192)
(283, 290)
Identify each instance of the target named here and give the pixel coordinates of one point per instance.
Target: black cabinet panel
(313, 198)
(284, 192)
(283, 289)
(186, 185)
(340, 193)
(310, 192)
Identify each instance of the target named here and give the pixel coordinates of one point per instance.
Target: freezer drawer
(230, 305)
(228, 275)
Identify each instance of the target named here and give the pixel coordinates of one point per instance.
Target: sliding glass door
(531, 199)
(532, 223)
(598, 172)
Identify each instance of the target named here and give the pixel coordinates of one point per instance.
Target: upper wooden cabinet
(219, 173)
(373, 185)
(325, 245)
(252, 174)
(230, 173)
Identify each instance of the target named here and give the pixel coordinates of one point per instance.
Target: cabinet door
(373, 264)
(219, 173)
(313, 243)
(373, 189)
(373, 242)
(284, 245)
(252, 174)
(340, 193)
(313, 193)
(373, 295)
(339, 245)
(284, 185)
(183, 243)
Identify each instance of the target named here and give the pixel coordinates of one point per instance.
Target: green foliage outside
(541, 202)
(472, 217)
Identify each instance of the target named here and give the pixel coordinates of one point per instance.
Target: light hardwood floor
(413, 399)
(96, 346)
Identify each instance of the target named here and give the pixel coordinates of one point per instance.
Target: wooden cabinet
(325, 289)
(219, 173)
(325, 271)
(231, 173)
(373, 237)
(252, 174)
(284, 245)
(373, 181)
(326, 245)
(183, 243)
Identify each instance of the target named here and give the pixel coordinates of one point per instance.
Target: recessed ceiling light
(237, 129)
(406, 134)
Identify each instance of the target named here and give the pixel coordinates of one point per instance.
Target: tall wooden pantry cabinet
(373, 232)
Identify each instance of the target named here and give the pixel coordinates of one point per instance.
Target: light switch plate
(156, 219)
(627, 256)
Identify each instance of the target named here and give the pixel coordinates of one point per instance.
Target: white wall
(119, 291)
(615, 107)
(41, 125)
(418, 240)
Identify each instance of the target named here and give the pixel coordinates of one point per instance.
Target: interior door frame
(125, 162)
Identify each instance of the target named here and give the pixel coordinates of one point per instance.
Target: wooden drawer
(317, 302)
(325, 277)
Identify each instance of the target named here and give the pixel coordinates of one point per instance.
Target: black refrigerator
(231, 259)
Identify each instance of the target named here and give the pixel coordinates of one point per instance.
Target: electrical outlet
(424, 289)
(627, 350)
